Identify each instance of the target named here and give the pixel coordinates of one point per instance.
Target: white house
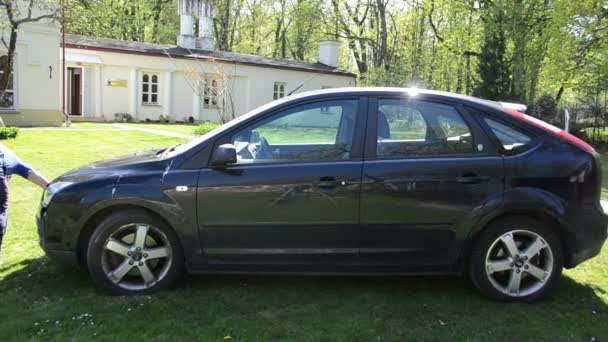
(34, 95)
(190, 81)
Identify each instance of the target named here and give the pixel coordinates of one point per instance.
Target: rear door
(427, 167)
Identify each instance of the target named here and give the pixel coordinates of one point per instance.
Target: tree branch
(440, 39)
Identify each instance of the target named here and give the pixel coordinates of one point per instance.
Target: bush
(8, 133)
(206, 127)
(123, 117)
(163, 118)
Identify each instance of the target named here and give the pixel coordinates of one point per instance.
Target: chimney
(329, 52)
(205, 11)
(186, 10)
(206, 41)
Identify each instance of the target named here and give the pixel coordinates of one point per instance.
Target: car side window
(319, 131)
(512, 139)
(416, 128)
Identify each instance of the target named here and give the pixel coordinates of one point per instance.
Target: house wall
(37, 76)
(250, 86)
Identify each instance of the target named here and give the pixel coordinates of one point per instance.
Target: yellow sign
(117, 83)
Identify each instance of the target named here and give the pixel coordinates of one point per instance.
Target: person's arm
(28, 172)
(38, 179)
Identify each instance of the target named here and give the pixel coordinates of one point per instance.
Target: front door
(74, 91)
(293, 196)
(428, 165)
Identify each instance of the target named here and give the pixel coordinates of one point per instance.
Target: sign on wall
(117, 83)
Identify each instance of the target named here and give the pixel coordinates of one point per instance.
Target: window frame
(149, 93)
(277, 93)
(479, 135)
(359, 133)
(13, 90)
(214, 92)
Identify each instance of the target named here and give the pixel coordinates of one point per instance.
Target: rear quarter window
(512, 139)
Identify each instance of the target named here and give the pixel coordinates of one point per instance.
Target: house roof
(162, 50)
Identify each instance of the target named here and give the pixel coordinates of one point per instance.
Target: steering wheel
(262, 152)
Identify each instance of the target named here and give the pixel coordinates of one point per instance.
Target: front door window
(320, 131)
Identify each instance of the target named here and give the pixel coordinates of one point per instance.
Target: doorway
(74, 83)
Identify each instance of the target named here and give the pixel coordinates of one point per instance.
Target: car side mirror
(224, 155)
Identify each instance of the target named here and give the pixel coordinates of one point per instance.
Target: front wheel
(516, 259)
(132, 252)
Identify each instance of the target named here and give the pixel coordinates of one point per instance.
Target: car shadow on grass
(284, 307)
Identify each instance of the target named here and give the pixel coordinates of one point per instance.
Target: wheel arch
(94, 219)
(551, 220)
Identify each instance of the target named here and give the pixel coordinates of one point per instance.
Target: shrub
(191, 119)
(206, 127)
(123, 117)
(8, 132)
(163, 118)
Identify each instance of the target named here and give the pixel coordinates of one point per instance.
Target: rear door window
(512, 140)
(420, 128)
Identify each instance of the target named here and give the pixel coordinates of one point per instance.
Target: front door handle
(327, 182)
(472, 179)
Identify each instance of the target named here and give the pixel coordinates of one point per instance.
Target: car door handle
(327, 182)
(472, 179)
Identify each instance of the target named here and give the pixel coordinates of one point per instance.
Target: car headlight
(51, 190)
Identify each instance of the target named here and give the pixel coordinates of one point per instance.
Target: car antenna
(303, 83)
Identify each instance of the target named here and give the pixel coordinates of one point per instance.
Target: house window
(210, 93)
(7, 100)
(279, 90)
(149, 89)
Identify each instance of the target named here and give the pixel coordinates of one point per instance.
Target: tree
(494, 68)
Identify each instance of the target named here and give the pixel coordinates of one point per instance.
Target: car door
(428, 166)
(293, 195)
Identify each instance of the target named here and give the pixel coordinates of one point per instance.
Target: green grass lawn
(177, 128)
(41, 301)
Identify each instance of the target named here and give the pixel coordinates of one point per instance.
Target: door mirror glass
(224, 155)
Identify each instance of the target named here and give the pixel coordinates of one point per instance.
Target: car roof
(388, 91)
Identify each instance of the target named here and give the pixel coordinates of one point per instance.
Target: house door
(74, 91)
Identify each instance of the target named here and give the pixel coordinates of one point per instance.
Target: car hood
(116, 166)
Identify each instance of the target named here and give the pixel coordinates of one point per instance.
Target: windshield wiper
(166, 151)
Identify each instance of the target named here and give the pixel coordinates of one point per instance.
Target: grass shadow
(295, 307)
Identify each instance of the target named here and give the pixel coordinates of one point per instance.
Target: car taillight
(551, 129)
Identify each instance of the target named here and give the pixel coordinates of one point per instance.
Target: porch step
(78, 118)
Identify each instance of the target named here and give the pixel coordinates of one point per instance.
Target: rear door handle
(472, 179)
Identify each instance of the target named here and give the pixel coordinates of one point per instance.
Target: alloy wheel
(136, 256)
(519, 263)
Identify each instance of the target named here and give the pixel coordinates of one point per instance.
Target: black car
(369, 181)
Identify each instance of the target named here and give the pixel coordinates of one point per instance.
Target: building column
(167, 91)
(133, 76)
(98, 91)
(196, 101)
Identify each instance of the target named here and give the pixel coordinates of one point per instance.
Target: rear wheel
(132, 252)
(516, 259)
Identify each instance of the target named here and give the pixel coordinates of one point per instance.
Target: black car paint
(260, 218)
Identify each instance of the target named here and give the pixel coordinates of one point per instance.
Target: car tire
(133, 252)
(516, 259)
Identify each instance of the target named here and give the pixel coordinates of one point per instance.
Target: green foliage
(8, 132)
(205, 128)
(163, 118)
(511, 50)
(123, 117)
(493, 66)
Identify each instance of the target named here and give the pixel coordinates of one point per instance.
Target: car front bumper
(51, 245)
